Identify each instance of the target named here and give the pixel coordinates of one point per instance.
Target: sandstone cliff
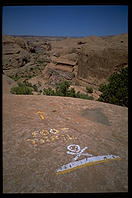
(98, 61)
(82, 61)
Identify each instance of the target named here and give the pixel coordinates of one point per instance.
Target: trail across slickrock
(37, 131)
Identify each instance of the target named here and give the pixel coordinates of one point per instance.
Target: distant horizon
(61, 36)
(65, 21)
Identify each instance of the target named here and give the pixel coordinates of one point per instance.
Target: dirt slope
(33, 151)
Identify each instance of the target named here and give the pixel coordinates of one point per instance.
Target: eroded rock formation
(83, 61)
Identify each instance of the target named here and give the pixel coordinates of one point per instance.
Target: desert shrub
(29, 73)
(90, 98)
(62, 88)
(102, 87)
(21, 89)
(116, 91)
(26, 83)
(21, 84)
(35, 88)
(15, 77)
(71, 93)
(49, 92)
(84, 96)
(41, 61)
(89, 89)
(24, 88)
(78, 94)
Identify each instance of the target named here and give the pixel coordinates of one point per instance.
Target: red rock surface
(30, 161)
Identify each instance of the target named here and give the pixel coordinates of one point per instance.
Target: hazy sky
(65, 20)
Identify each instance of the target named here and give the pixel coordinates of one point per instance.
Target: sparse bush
(15, 77)
(35, 88)
(84, 96)
(90, 98)
(29, 73)
(71, 93)
(48, 91)
(102, 87)
(21, 84)
(41, 61)
(78, 94)
(62, 88)
(22, 90)
(26, 83)
(116, 91)
(89, 89)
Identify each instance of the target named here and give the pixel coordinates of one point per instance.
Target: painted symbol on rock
(54, 131)
(41, 114)
(50, 135)
(90, 160)
(75, 150)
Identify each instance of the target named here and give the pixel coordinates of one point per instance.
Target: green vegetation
(21, 89)
(14, 77)
(84, 96)
(49, 92)
(24, 88)
(89, 89)
(35, 88)
(40, 61)
(29, 73)
(62, 89)
(116, 91)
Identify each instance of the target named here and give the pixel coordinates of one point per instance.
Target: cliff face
(98, 61)
(15, 53)
(82, 61)
(19, 54)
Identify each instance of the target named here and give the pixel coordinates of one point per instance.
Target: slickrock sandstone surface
(37, 131)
